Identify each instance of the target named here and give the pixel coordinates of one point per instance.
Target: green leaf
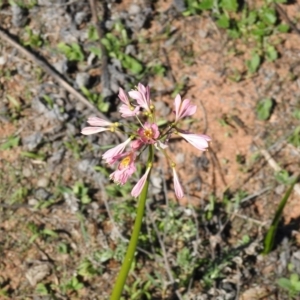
(96, 50)
(283, 28)
(285, 283)
(264, 109)
(294, 278)
(93, 34)
(132, 64)
(230, 5)
(11, 142)
(253, 63)
(106, 43)
(268, 16)
(32, 155)
(252, 17)
(41, 289)
(234, 33)
(206, 5)
(270, 236)
(271, 53)
(223, 22)
(50, 232)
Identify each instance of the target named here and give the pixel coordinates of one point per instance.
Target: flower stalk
(121, 279)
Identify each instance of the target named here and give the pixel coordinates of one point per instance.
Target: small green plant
(296, 114)
(254, 62)
(11, 142)
(138, 290)
(284, 177)
(86, 269)
(97, 99)
(32, 40)
(291, 284)
(73, 52)
(73, 285)
(32, 155)
(294, 138)
(264, 109)
(115, 43)
(38, 232)
(81, 192)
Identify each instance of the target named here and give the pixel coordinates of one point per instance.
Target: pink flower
(125, 169)
(136, 145)
(98, 123)
(112, 155)
(183, 109)
(126, 109)
(142, 96)
(149, 133)
(200, 141)
(177, 185)
(140, 184)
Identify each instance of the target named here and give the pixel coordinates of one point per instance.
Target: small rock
(56, 158)
(32, 141)
(72, 202)
(80, 17)
(3, 60)
(26, 172)
(61, 66)
(37, 273)
(179, 5)
(33, 202)
(134, 9)
(42, 194)
(82, 79)
(180, 158)
(19, 16)
(279, 189)
(43, 182)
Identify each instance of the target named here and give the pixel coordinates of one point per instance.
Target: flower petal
(113, 152)
(199, 141)
(92, 130)
(123, 97)
(127, 112)
(177, 185)
(140, 184)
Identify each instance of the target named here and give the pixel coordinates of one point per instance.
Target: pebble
(180, 158)
(42, 194)
(82, 79)
(33, 202)
(26, 172)
(134, 9)
(19, 18)
(43, 182)
(32, 141)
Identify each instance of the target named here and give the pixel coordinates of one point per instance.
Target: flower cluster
(148, 133)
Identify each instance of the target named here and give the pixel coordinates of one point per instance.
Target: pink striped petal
(142, 96)
(140, 184)
(113, 152)
(199, 141)
(127, 112)
(92, 130)
(177, 186)
(183, 109)
(123, 97)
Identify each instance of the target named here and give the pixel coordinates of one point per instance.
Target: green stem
(120, 282)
